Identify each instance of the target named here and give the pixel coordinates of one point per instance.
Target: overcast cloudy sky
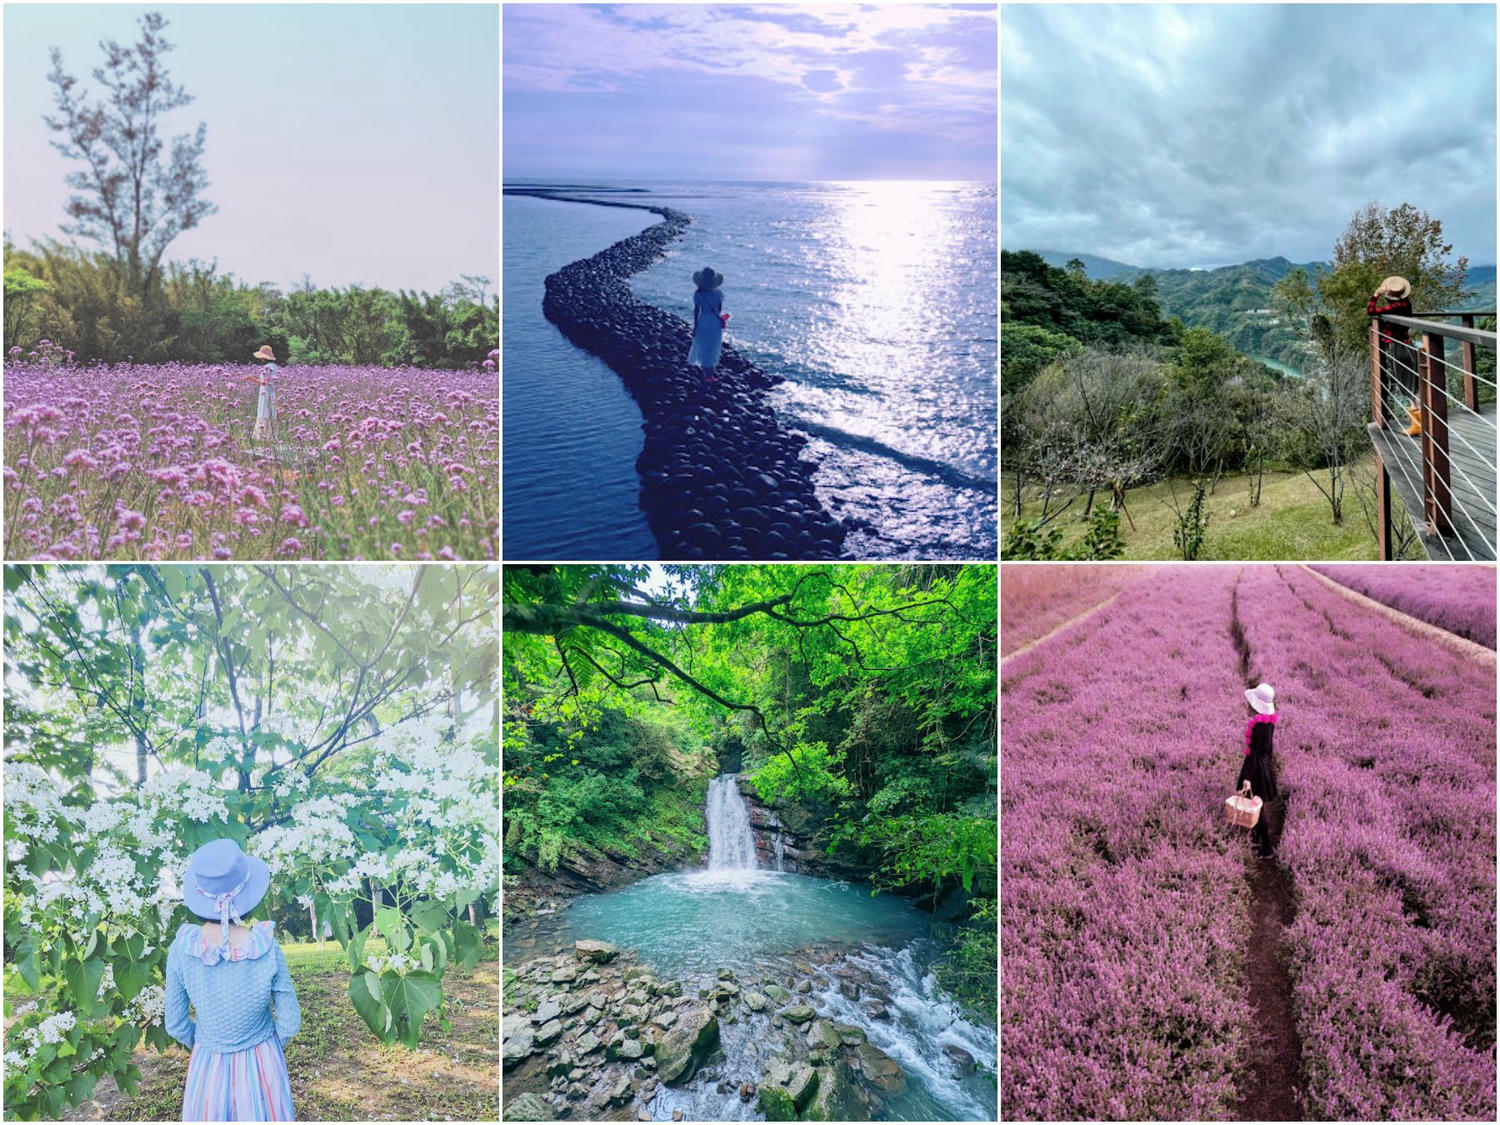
(1206, 135)
(729, 92)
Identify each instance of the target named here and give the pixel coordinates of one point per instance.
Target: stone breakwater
(720, 478)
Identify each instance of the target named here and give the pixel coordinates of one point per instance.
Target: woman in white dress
(708, 321)
(265, 405)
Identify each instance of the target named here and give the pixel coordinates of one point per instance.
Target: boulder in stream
(835, 1099)
(777, 993)
(797, 1078)
(776, 1104)
(528, 1107)
(799, 1013)
(680, 1050)
(879, 1069)
(822, 1036)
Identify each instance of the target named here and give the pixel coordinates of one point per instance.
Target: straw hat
(1396, 286)
(1263, 698)
(265, 353)
(706, 278)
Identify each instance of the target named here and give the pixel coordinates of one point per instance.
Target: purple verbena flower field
(1458, 597)
(160, 462)
(1035, 600)
(1125, 923)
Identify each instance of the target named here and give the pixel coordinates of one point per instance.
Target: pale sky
(356, 143)
(1180, 136)
(793, 92)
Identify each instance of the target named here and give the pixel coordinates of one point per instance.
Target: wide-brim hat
(706, 278)
(1396, 286)
(265, 353)
(220, 868)
(1263, 698)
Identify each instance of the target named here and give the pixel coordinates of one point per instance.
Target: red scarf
(1250, 727)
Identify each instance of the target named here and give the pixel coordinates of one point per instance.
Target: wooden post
(1377, 411)
(1435, 468)
(1471, 387)
(1383, 504)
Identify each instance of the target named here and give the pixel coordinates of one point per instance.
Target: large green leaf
(366, 996)
(410, 997)
(357, 948)
(83, 979)
(468, 941)
(388, 921)
(431, 916)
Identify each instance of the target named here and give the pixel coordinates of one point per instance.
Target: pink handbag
(1243, 809)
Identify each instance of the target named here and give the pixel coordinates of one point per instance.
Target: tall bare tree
(133, 196)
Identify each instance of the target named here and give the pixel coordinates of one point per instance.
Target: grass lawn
(340, 1072)
(1292, 521)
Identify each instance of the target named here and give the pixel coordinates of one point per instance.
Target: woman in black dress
(1259, 768)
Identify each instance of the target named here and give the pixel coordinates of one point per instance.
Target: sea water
(876, 302)
(572, 433)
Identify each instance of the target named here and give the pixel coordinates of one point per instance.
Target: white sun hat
(1263, 698)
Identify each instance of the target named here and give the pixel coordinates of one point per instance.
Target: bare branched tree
(133, 196)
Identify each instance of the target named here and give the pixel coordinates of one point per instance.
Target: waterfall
(780, 847)
(731, 847)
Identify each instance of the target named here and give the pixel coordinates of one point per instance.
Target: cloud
(1176, 136)
(814, 70)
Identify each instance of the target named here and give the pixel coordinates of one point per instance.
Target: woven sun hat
(1263, 698)
(223, 882)
(706, 278)
(1396, 286)
(265, 353)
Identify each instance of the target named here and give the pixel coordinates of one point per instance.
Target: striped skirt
(248, 1085)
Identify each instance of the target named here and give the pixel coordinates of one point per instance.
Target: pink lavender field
(1126, 900)
(1457, 597)
(1035, 600)
(159, 462)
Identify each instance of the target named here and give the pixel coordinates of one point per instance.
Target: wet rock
(747, 1091)
(619, 1093)
(548, 1010)
(777, 993)
(565, 975)
(548, 1032)
(560, 1065)
(682, 1049)
(632, 1049)
(804, 986)
(518, 1045)
(677, 1115)
(849, 1034)
(875, 1010)
(726, 974)
(849, 989)
(835, 1098)
(776, 1104)
(589, 1043)
(799, 1013)
(961, 1058)
(822, 1036)
(798, 1079)
(879, 1069)
(643, 1114)
(528, 1107)
(664, 1019)
(755, 1001)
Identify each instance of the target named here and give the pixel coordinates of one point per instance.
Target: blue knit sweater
(239, 999)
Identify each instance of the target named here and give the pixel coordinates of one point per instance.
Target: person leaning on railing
(1393, 298)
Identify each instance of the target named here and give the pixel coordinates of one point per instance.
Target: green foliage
(968, 971)
(1031, 539)
(192, 313)
(1107, 313)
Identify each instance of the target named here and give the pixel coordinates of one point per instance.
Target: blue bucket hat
(223, 882)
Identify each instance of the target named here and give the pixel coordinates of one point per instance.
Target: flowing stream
(859, 953)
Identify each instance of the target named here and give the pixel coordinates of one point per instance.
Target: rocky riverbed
(595, 1035)
(720, 478)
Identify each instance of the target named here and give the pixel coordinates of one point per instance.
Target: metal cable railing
(1399, 376)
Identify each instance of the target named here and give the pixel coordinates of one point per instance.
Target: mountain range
(1234, 301)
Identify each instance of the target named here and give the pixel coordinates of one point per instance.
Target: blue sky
(730, 92)
(356, 143)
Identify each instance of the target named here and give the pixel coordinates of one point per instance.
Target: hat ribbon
(224, 904)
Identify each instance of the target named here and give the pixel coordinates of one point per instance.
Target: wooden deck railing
(1459, 516)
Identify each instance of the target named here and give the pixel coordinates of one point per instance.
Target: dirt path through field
(1274, 1074)
(1029, 645)
(1415, 625)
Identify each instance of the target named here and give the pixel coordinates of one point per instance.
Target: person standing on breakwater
(265, 405)
(708, 321)
(1259, 769)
